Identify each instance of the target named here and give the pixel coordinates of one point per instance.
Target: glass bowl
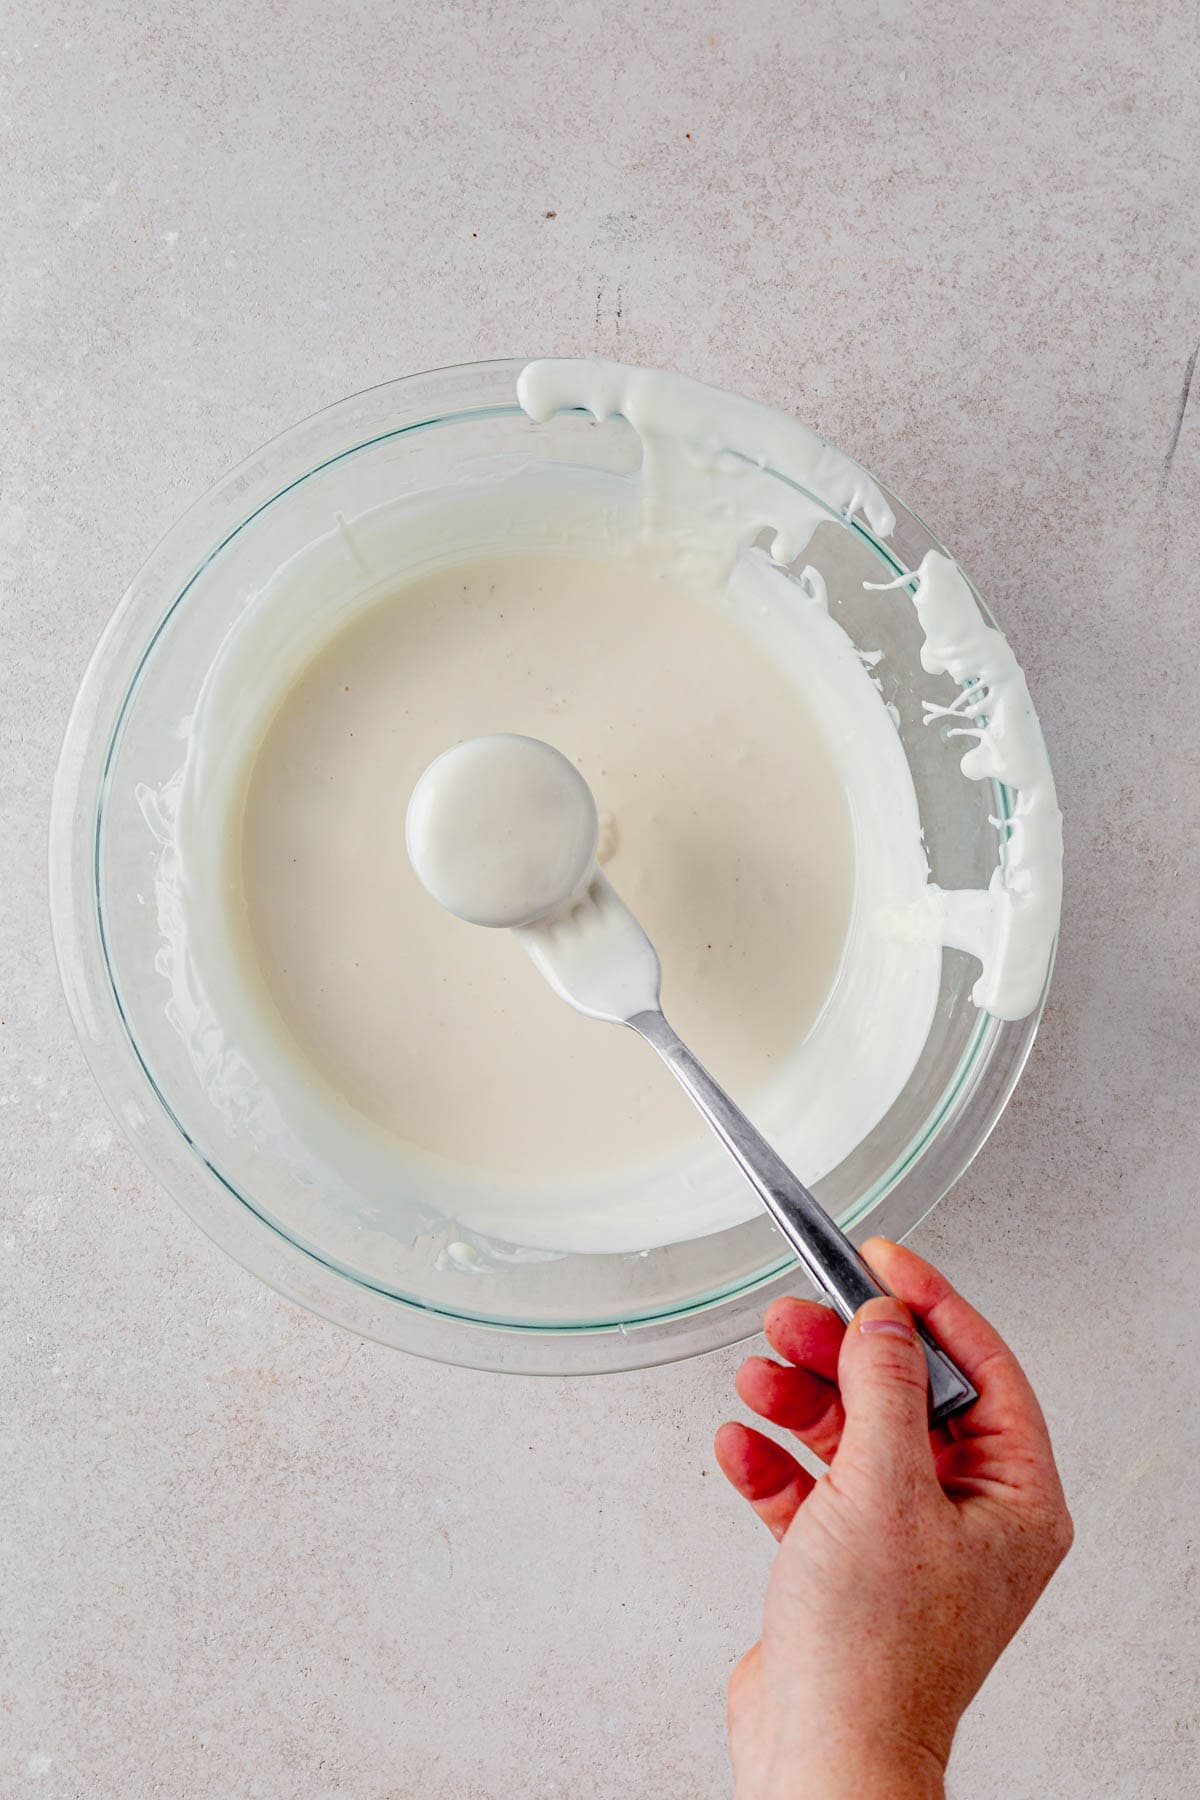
(527, 1313)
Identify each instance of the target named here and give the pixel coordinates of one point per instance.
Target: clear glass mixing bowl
(567, 1314)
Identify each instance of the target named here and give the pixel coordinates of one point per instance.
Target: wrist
(857, 1768)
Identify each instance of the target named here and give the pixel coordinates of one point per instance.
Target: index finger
(1005, 1427)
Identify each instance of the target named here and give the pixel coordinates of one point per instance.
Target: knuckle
(898, 1368)
(1050, 1532)
(743, 1672)
(1062, 1532)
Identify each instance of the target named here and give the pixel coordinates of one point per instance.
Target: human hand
(904, 1572)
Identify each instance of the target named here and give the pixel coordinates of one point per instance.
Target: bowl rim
(970, 1105)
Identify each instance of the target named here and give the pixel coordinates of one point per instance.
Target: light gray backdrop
(242, 1554)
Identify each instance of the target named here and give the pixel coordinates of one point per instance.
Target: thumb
(885, 1391)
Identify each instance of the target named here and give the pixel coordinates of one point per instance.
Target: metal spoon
(593, 952)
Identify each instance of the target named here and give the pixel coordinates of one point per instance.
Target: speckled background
(242, 1554)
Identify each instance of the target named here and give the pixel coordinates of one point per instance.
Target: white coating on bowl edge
(689, 434)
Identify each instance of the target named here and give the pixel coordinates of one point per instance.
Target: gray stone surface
(241, 1553)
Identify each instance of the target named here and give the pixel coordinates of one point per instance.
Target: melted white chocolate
(732, 842)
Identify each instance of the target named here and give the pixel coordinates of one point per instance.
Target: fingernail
(888, 1317)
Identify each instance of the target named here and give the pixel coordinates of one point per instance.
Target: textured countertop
(242, 1553)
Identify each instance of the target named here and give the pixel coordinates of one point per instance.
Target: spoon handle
(830, 1259)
